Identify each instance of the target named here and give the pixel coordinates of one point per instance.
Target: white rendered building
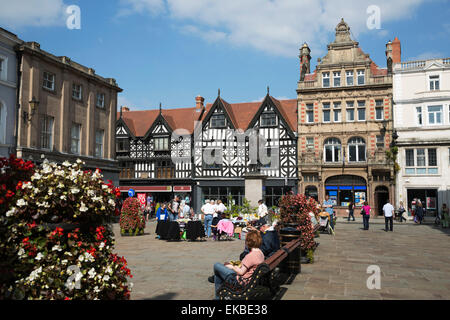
(421, 93)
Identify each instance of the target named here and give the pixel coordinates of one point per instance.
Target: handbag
(363, 212)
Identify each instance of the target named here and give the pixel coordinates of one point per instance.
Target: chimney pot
(125, 108)
(199, 103)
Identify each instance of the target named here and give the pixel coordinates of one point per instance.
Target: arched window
(311, 191)
(332, 150)
(356, 149)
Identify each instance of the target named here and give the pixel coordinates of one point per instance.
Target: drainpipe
(19, 83)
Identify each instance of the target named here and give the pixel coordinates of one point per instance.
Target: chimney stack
(396, 51)
(124, 108)
(199, 103)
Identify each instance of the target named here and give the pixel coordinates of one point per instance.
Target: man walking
(208, 210)
(328, 205)
(388, 211)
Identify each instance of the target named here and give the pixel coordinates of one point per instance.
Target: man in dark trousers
(388, 211)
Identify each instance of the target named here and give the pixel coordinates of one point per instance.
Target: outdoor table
(194, 230)
(168, 230)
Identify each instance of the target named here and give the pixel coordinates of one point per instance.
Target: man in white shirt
(262, 212)
(208, 210)
(220, 208)
(388, 211)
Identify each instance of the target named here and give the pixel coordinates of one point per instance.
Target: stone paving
(414, 261)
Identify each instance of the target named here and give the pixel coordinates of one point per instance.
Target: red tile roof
(241, 114)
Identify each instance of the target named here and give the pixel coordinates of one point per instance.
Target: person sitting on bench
(244, 271)
(270, 241)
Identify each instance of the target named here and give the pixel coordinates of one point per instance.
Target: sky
(170, 51)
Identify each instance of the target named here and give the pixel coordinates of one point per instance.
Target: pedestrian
(263, 213)
(388, 211)
(328, 205)
(186, 210)
(220, 208)
(208, 210)
(401, 211)
(161, 213)
(173, 209)
(419, 213)
(365, 212)
(444, 215)
(243, 272)
(351, 209)
(148, 211)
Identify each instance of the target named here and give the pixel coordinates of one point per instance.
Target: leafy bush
(295, 209)
(131, 217)
(57, 227)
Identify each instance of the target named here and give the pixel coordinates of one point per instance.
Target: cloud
(42, 13)
(277, 27)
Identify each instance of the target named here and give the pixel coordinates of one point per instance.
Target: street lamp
(34, 103)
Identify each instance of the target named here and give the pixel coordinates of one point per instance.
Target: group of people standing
(171, 211)
(213, 212)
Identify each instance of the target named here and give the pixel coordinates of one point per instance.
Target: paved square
(414, 261)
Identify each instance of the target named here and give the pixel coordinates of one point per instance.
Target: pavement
(413, 262)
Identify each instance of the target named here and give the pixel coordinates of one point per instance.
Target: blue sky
(170, 51)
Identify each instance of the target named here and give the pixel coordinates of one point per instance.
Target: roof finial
(218, 92)
(160, 110)
(267, 90)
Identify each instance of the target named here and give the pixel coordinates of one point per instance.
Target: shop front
(158, 194)
(428, 198)
(344, 189)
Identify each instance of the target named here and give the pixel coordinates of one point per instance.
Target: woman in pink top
(366, 215)
(228, 272)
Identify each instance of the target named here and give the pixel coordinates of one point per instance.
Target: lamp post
(34, 103)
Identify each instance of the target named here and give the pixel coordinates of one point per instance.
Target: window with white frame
(268, 119)
(349, 78)
(75, 138)
(77, 91)
(218, 121)
(434, 82)
(361, 77)
(47, 132)
(99, 143)
(419, 117)
(332, 150)
(326, 112)
(3, 68)
(356, 149)
(309, 143)
(100, 100)
(325, 79)
(336, 79)
(421, 161)
(361, 110)
(49, 81)
(309, 113)
(380, 141)
(379, 109)
(2, 123)
(350, 111)
(337, 112)
(434, 115)
(161, 143)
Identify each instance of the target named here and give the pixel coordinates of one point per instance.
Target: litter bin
(290, 265)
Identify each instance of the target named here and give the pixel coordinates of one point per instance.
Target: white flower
(63, 197)
(11, 212)
(21, 203)
(81, 258)
(89, 257)
(34, 274)
(105, 277)
(36, 176)
(97, 199)
(96, 289)
(83, 207)
(60, 185)
(50, 191)
(92, 273)
(47, 169)
(79, 161)
(39, 256)
(21, 252)
(109, 270)
(91, 193)
(78, 276)
(75, 190)
(102, 244)
(112, 202)
(66, 163)
(64, 261)
(105, 186)
(56, 248)
(68, 253)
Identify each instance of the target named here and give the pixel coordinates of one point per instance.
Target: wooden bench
(264, 282)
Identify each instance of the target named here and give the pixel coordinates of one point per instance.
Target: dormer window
(218, 121)
(268, 119)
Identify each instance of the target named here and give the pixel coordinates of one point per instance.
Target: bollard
(291, 265)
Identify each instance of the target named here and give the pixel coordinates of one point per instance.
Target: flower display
(132, 221)
(295, 209)
(58, 240)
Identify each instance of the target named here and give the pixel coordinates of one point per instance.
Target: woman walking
(445, 216)
(401, 210)
(351, 209)
(365, 211)
(419, 213)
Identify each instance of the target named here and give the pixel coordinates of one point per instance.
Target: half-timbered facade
(205, 152)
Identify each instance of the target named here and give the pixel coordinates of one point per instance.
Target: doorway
(381, 198)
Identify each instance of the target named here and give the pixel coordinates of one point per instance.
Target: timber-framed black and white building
(206, 152)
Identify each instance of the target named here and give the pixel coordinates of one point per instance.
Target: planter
(131, 232)
(291, 265)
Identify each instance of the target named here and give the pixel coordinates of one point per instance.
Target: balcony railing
(370, 81)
